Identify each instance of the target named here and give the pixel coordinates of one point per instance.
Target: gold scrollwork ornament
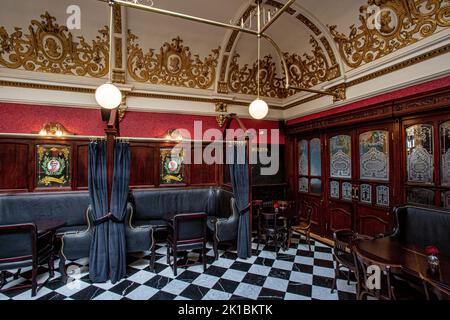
(397, 24)
(50, 48)
(174, 65)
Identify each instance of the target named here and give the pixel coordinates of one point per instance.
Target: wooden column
(111, 131)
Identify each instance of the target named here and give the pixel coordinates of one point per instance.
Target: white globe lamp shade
(258, 109)
(108, 96)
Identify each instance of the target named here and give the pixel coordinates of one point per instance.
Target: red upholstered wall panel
(21, 118)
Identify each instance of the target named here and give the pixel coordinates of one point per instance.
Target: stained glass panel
(303, 157)
(303, 185)
(334, 189)
(346, 191)
(340, 157)
(445, 153)
(315, 157)
(316, 186)
(421, 196)
(383, 195)
(419, 152)
(374, 155)
(366, 193)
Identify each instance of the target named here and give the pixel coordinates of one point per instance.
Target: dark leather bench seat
(74, 209)
(153, 207)
(424, 226)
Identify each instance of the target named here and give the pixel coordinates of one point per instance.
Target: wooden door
(340, 175)
(310, 184)
(374, 176)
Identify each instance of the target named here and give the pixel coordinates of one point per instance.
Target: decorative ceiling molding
(309, 24)
(174, 65)
(306, 71)
(50, 48)
(42, 86)
(397, 29)
(243, 79)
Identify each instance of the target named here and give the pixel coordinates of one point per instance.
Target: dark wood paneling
(14, 166)
(372, 222)
(142, 166)
(203, 174)
(81, 169)
(392, 116)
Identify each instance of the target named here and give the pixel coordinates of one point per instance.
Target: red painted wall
(402, 93)
(21, 118)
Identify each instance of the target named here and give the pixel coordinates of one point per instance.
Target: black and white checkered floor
(295, 274)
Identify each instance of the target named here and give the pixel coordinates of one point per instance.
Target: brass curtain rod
(259, 33)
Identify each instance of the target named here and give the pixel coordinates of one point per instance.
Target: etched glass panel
(419, 151)
(316, 186)
(374, 155)
(446, 199)
(340, 155)
(366, 193)
(383, 195)
(445, 153)
(303, 158)
(334, 189)
(303, 184)
(346, 191)
(421, 196)
(315, 157)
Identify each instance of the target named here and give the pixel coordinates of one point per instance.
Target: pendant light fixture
(258, 109)
(108, 96)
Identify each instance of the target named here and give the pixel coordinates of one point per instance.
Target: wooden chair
(301, 225)
(38, 251)
(362, 263)
(342, 254)
(186, 232)
(391, 286)
(434, 292)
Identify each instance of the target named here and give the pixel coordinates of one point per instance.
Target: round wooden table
(411, 259)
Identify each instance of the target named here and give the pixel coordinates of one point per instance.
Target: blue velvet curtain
(239, 167)
(98, 192)
(119, 198)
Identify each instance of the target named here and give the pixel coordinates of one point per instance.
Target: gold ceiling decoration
(306, 71)
(311, 69)
(174, 65)
(400, 23)
(49, 47)
(243, 79)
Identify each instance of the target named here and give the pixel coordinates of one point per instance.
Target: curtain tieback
(243, 210)
(106, 218)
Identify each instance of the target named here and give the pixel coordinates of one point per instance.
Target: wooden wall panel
(203, 174)
(81, 169)
(391, 116)
(14, 166)
(143, 165)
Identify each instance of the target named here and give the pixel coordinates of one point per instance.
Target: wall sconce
(173, 134)
(54, 129)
